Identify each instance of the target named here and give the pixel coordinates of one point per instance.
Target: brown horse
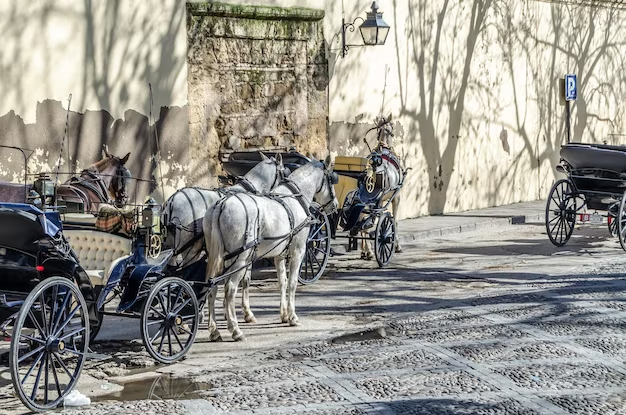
(105, 181)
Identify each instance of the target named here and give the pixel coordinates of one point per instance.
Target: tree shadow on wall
(484, 50)
(116, 59)
(444, 81)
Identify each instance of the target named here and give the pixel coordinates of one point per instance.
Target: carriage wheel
(561, 212)
(621, 222)
(317, 249)
(49, 344)
(169, 320)
(385, 239)
(612, 221)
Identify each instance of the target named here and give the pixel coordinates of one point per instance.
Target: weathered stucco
(104, 53)
(473, 86)
(257, 80)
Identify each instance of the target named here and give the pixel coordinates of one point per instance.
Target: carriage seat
(98, 252)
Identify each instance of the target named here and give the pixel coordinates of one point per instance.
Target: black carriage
(51, 307)
(364, 212)
(47, 306)
(596, 181)
(318, 245)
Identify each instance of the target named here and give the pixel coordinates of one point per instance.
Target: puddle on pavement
(373, 334)
(162, 387)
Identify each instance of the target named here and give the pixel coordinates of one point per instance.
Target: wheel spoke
(55, 294)
(169, 341)
(63, 365)
(157, 334)
(162, 341)
(36, 323)
(61, 310)
(42, 311)
(31, 353)
(72, 333)
(177, 339)
(183, 305)
(56, 376)
(67, 320)
(30, 371)
(37, 380)
(46, 379)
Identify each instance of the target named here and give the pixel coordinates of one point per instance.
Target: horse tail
(214, 241)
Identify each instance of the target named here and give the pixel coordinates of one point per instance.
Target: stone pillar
(257, 80)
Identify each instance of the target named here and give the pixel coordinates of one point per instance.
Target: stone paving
(551, 344)
(565, 354)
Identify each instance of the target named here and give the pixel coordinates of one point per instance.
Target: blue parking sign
(571, 87)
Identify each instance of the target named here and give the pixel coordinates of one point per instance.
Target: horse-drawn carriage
(62, 273)
(365, 189)
(596, 181)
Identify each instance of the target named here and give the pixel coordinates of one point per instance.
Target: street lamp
(373, 30)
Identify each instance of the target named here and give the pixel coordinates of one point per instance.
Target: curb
(407, 238)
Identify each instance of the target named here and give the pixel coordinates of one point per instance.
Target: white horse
(185, 210)
(391, 169)
(242, 226)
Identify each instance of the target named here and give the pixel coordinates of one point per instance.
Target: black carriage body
(33, 249)
(597, 171)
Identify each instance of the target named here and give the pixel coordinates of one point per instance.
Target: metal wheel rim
(317, 250)
(385, 239)
(561, 212)
(57, 345)
(169, 320)
(621, 223)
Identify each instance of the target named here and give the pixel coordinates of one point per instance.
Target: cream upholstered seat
(97, 252)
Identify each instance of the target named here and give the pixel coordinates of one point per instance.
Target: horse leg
(248, 315)
(395, 203)
(366, 250)
(292, 283)
(214, 334)
(230, 292)
(281, 273)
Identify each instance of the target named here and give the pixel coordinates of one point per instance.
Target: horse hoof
(398, 249)
(294, 322)
(239, 337)
(250, 319)
(215, 337)
(284, 319)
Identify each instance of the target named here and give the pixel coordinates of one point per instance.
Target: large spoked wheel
(561, 212)
(317, 248)
(49, 344)
(169, 320)
(612, 221)
(621, 222)
(385, 239)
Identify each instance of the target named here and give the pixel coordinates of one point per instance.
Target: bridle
(120, 193)
(330, 178)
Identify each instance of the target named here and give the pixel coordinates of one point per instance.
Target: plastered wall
(473, 88)
(103, 53)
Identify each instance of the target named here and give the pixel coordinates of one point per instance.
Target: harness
(93, 182)
(254, 243)
(196, 230)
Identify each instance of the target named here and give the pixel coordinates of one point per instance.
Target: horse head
(266, 174)
(385, 131)
(114, 175)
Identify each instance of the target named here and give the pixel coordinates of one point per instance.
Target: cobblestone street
(487, 322)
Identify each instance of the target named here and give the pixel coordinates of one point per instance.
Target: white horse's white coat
(187, 207)
(243, 219)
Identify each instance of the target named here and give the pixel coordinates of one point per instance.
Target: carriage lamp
(373, 30)
(45, 188)
(150, 217)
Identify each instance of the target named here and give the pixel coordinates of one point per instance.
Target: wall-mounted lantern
(373, 30)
